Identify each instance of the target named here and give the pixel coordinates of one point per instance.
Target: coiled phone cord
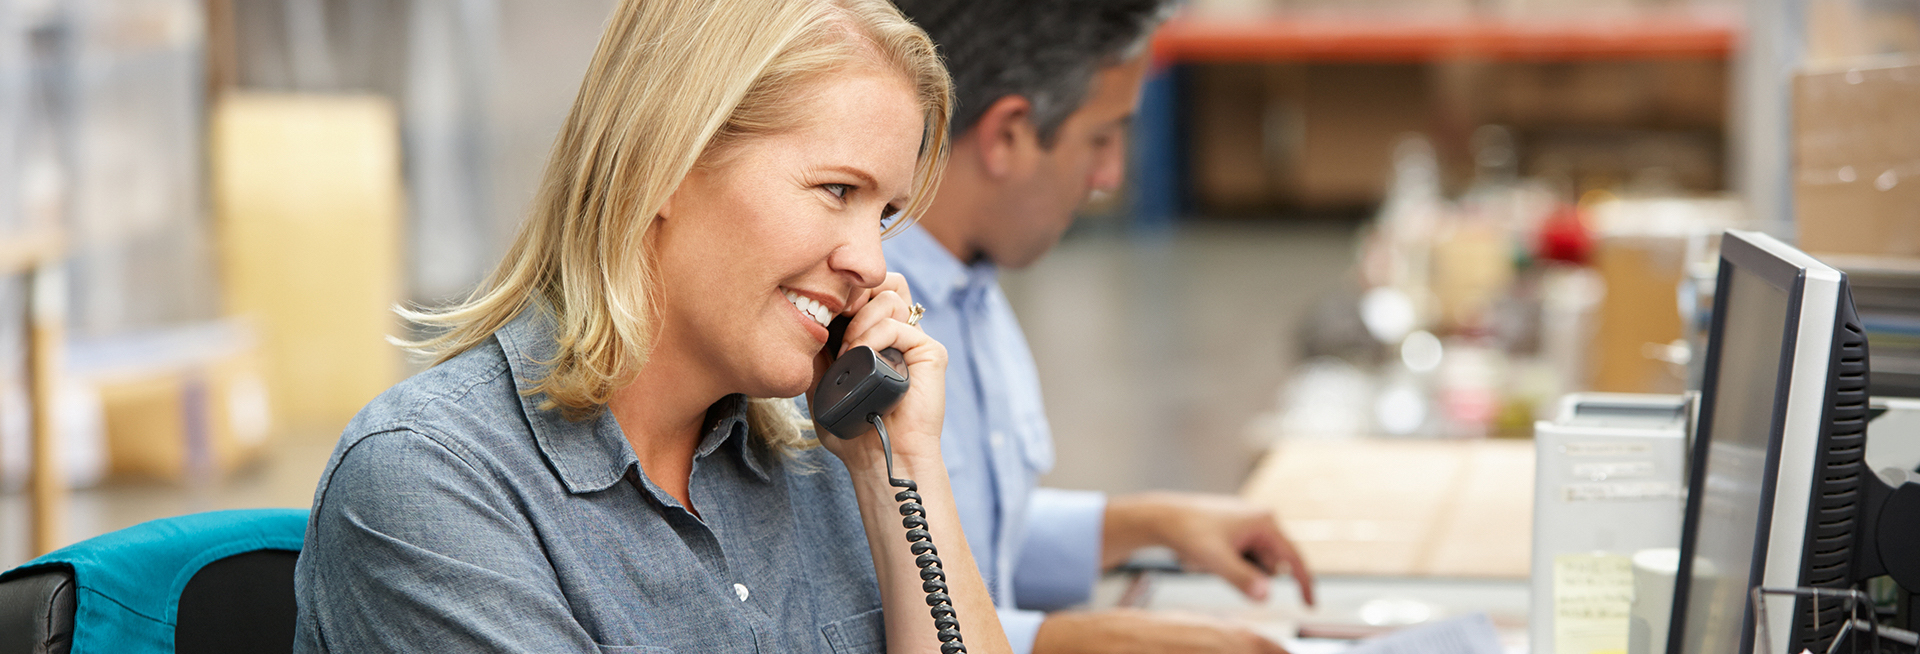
(933, 580)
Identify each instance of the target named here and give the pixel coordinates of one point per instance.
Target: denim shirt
(1038, 548)
(458, 516)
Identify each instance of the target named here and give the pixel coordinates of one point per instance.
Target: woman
(597, 460)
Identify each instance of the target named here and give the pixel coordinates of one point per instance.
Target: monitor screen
(1732, 529)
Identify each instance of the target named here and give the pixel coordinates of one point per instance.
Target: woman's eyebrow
(866, 179)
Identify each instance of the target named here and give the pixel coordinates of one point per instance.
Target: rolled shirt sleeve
(1060, 554)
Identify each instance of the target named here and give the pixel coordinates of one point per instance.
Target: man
(1045, 94)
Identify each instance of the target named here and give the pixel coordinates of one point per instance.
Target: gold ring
(913, 314)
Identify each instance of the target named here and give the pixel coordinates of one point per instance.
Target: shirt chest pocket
(1031, 433)
(864, 633)
(1007, 370)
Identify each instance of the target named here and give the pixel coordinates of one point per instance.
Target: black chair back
(241, 604)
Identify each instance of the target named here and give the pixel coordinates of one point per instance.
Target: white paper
(1467, 634)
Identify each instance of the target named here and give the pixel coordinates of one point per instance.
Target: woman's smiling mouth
(808, 306)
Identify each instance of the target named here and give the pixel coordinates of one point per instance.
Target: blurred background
(1373, 228)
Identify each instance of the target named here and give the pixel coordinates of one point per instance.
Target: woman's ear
(1006, 137)
(666, 207)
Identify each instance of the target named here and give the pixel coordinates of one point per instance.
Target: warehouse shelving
(36, 255)
(1190, 39)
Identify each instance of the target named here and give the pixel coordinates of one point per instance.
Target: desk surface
(1403, 508)
(1342, 600)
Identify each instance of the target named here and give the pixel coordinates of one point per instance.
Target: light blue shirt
(1038, 548)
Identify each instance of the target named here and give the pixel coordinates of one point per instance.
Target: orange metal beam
(1353, 39)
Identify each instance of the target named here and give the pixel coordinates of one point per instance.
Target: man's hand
(1219, 534)
(1130, 631)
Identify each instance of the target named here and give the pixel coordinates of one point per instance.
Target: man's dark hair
(1046, 51)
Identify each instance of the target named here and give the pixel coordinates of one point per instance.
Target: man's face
(1088, 154)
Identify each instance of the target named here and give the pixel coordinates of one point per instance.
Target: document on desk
(1467, 634)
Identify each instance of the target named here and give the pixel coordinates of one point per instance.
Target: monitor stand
(1887, 543)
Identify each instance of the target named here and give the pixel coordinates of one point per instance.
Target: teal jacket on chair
(126, 587)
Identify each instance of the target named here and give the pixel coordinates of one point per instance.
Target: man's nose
(1111, 169)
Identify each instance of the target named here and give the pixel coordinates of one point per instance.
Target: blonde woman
(599, 460)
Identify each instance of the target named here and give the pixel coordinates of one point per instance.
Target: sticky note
(1592, 598)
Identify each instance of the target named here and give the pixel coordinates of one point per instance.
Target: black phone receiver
(859, 383)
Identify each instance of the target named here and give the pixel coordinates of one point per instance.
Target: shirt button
(998, 439)
(740, 591)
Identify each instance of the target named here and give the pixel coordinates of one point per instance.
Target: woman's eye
(838, 190)
(887, 216)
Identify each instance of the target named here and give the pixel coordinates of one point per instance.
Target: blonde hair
(671, 83)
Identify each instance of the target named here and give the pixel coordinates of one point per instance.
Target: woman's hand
(880, 322)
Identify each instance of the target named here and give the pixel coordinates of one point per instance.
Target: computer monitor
(1777, 469)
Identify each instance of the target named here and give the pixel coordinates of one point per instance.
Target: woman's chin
(792, 390)
(786, 380)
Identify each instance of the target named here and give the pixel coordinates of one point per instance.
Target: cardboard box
(1233, 143)
(1657, 94)
(308, 198)
(1639, 316)
(1857, 159)
(1659, 161)
(1316, 136)
(178, 404)
(1353, 115)
(1840, 30)
(1321, 136)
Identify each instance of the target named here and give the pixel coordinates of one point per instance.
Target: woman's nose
(861, 258)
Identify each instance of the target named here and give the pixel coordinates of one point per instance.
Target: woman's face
(761, 247)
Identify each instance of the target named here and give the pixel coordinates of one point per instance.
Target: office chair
(204, 583)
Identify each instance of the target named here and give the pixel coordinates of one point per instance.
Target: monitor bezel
(1793, 431)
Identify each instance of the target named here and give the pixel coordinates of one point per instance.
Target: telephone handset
(859, 383)
(858, 387)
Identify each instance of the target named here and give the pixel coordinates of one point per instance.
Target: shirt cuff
(1060, 556)
(1021, 627)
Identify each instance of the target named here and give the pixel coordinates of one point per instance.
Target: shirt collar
(930, 269)
(592, 454)
(727, 426)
